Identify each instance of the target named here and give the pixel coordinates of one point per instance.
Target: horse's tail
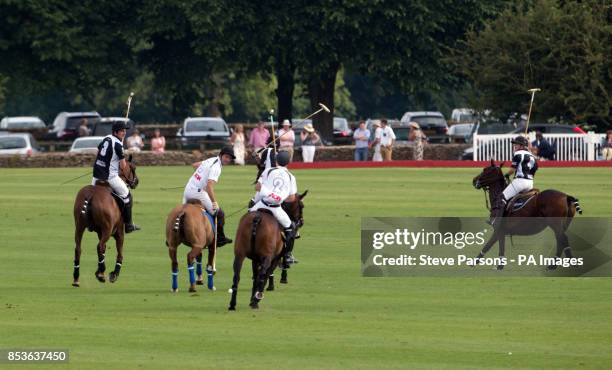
(179, 222)
(256, 222)
(573, 202)
(86, 211)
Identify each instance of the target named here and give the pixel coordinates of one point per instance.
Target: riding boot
(497, 211)
(288, 258)
(127, 216)
(221, 238)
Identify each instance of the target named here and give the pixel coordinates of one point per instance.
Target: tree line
(238, 58)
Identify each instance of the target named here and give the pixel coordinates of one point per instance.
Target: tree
(561, 47)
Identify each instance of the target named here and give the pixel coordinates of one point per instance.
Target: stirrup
(131, 227)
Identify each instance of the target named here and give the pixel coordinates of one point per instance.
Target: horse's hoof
(551, 267)
(112, 277)
(174, 290)
(283, 281)
(76, 284)
(199, 282)
(270, 288)
(254, 306)
(500, 267)
(101, 278)
(192, 289)
(231, 308)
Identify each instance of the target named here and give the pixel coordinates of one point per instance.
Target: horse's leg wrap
(199, 265)
(175, 279)
(210, 275)
(191, 269)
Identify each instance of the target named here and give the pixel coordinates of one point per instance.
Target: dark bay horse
(552, 208)
(259, 238)
(187, 224)
(95, 209)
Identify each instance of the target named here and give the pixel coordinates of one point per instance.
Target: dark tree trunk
(285, 77)
(321, 89)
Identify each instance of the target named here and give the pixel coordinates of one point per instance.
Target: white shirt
(210, 169)
(277, 184)
(387, 135)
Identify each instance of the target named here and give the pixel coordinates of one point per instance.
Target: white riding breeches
(278, 212)
(202, 196)
(119, 187)
(517, 186)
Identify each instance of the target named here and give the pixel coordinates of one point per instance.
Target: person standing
(387, 140)
(237, 141)
(158, 142)
(310, 139)
(606, 146)
(418, 137)
(286, 138)
(377, 157)
(83, 129)
(361, 137)
(542, 148)
(134, 142)
(259, 137)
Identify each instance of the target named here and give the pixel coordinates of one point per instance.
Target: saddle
(118, 199)
(520, 200)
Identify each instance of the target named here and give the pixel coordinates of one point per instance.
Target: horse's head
(295, 209)
(128, 174)
(489, 176)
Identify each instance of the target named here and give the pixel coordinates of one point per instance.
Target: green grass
(328, 316)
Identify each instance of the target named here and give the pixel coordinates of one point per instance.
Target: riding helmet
(227, 150)
(120, 125)
(520, 140)
(282, 158)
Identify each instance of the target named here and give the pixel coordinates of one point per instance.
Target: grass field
(328, 316)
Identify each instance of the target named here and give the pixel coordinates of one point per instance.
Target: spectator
(606, 146)
(418, 137)
(83, 129)
(287, 138)
(237, 141)
(386, 141)
(158, 142)
(377, 157)
(361, 137)
(259, 137)
(310, 139)
(542, 148)
(134, 142)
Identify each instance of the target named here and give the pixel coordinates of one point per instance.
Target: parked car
(87, 144)
(343, 135)
(23, 144)
(460, 132)
(546, 128)
(212, 131)
(30, 124)
(104, 126)
(433, 125)
(463, 115)
(66, 124)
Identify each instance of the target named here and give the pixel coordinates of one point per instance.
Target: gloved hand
(215, 207)
(507, 177)
(251, 204)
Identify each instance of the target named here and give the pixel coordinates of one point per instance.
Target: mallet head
(534, 90)
(324, 107)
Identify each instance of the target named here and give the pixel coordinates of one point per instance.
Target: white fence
(569, 147)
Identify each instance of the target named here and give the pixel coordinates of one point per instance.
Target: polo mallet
(323, 108)
(273, 131)
(532, 91)
(129, 104)
(76, 178)
(210, 270)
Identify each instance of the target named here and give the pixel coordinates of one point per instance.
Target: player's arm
(210, 189)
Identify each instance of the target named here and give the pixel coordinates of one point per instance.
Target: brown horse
(553, 208)
(187, 224)
(96, 209)
(259, 238)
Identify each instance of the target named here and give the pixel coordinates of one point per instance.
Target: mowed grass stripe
(328, 316)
